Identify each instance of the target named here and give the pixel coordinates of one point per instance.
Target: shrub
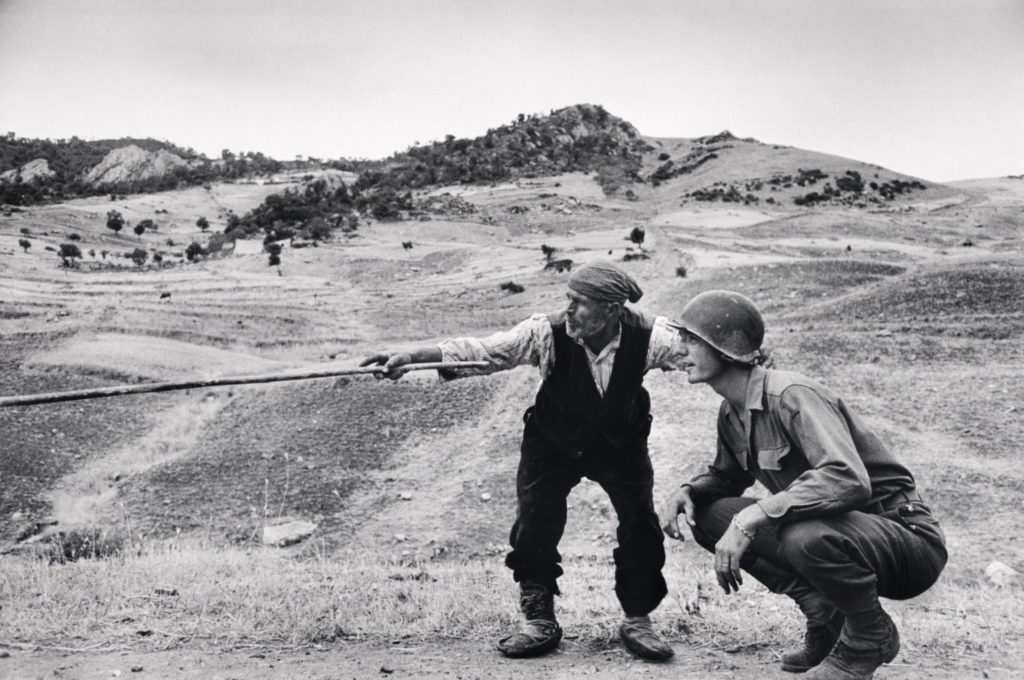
(75, 545)
(115, 221)
(194, 251)
(25, 244)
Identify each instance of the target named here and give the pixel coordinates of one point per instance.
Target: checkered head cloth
(602, 280)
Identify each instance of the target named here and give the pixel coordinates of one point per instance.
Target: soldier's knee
(801, 539)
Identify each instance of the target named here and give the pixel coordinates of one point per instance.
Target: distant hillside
(72, 159)
(41, 170)
(725, 168)
(584, 138)
(581, 138)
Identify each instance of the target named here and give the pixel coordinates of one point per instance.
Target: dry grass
(194, 593)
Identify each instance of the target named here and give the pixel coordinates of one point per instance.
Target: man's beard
(583, 332)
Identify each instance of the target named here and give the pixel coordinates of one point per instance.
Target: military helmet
(728, 321)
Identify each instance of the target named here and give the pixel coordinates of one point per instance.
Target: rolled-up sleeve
(528, 343)
(665, 349)
(836, 480)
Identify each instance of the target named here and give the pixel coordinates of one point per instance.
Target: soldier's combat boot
(540, 633)
(824, 623)
(824, 620)
(868, 640)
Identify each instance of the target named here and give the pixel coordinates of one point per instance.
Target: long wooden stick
(113, 391)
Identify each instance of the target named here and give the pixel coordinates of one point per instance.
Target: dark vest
(570, 413)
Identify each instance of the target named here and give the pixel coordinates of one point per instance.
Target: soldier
(591, 418)
(843, 522)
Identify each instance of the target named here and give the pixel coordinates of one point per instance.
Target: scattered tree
(274, 249)
(68, 254)
(548, 251)
(637, 237)
(203, 223)
(139, 256)
(139, 230)
(194, 251)
(25, 244)
(115, 221)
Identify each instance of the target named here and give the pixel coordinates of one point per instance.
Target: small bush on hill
(194, 251)
(115, 221)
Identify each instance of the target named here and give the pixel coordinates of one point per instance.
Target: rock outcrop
(36, 169)
(131, 163)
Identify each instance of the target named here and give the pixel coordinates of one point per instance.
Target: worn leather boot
(640, 638)
(540, 633)
(866, 643)
(824, 623)
(824, 620)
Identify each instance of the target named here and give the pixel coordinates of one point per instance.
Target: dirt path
(467, 660)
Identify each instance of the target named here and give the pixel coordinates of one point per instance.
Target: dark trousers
(545, 478)
(898, 553)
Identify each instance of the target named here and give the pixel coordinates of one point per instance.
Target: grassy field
(411, 484)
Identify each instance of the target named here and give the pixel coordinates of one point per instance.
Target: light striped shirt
(532, 343)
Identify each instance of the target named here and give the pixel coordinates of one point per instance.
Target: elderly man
(591, 418)
(843, 524)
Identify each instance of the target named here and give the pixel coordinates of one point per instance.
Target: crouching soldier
(843, 524)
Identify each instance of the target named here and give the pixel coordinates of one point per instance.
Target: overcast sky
(932, 88)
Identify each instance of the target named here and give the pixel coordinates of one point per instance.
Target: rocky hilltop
(131, 164)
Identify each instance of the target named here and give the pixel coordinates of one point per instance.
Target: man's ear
(615, 309)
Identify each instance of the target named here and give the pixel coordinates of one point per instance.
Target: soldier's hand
(734, 542)
(668, 513)
(391, 361)
(728, 551)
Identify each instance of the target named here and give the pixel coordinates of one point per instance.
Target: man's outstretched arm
(393, 361)
(529, 343)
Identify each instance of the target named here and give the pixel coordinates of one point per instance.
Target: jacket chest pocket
(770, 457)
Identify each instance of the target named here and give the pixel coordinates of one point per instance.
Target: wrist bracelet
(743, 530)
